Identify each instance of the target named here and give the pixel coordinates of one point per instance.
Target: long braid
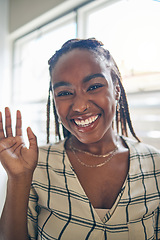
(57, 131)
(48, 113)
(124, 108)
(122, 114)
(123, 119)
(126, 112)
(117, 117)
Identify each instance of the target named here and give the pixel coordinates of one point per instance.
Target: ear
(117, 92)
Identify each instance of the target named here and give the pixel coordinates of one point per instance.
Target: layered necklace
(109, 155)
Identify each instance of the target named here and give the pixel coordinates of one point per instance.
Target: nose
(80, 104)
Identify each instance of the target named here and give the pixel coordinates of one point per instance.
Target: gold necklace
(111, 154)
(92, 154)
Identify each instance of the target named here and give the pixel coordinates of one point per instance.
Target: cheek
(109, 105)
(62, 109)
(57, 106)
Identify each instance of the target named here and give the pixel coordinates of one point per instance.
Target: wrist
(19, 182)
(21, 178)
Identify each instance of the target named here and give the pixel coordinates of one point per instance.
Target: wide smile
(86, 124)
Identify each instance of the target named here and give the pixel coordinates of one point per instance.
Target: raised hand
(14, 156)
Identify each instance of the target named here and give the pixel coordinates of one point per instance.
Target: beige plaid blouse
(60, 209)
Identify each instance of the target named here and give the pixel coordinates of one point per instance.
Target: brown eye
(94, 87)
(64, 93)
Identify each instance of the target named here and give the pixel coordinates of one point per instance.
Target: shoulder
(141, 152)
(50, 159)
(51, 150)
(140, 148)
(143, 155)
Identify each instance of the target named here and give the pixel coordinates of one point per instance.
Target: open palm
(14, 156)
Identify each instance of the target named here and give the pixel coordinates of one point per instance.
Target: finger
(8, 125)
(32, 139)
(19, 124)
(1, 128)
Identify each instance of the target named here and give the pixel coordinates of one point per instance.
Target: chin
(89, 139)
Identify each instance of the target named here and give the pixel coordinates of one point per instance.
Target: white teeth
(85, 122)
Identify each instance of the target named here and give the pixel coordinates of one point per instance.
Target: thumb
(32, 139)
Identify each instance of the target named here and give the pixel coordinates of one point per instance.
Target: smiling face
(84, 95)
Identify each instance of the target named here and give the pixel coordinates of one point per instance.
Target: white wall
(4, 80)
(23, 11)
(25, 16)
(4, 53)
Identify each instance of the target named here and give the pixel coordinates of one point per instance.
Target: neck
(100, 147)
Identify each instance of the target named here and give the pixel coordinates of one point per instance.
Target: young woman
(94, 184)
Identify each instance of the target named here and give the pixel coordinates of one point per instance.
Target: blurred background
(31, 31)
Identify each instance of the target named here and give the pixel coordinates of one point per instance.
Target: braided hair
(122, 117)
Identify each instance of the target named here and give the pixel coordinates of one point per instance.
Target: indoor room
(31, 32)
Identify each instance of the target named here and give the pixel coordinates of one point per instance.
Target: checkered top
(60, 209)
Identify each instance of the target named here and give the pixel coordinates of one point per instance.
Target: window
(129, 29)
(31, 75)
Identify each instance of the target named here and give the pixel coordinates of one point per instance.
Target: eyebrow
(59, 84)
(96, 75)
(85, 80)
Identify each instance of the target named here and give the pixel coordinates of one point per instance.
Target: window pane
(130, 31)
(31, 75)
(31, 61)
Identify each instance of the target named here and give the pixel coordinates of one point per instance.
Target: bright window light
(129, 29)
(31, 75)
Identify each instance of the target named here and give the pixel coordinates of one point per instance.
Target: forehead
(77, 55)
(79, 60)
